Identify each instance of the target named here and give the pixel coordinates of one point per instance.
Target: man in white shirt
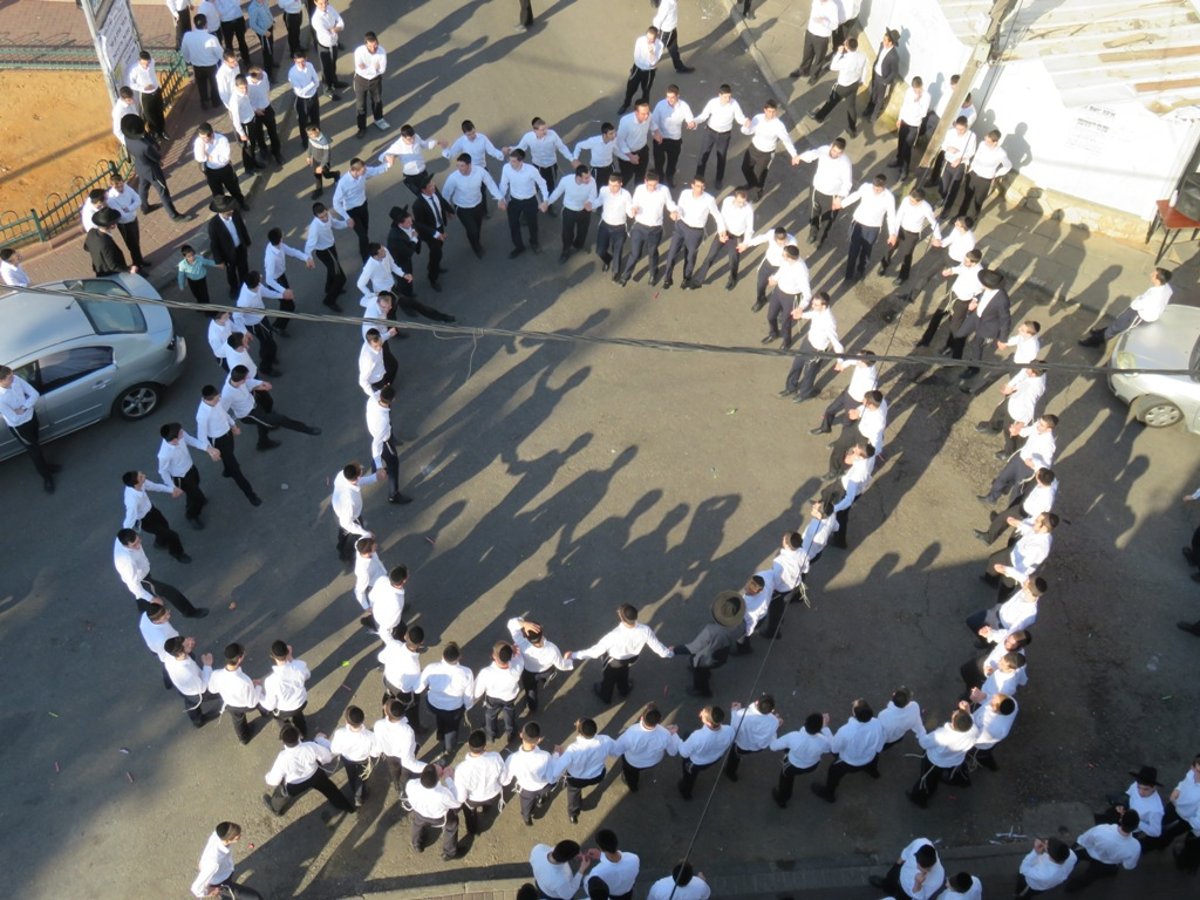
(265, 125)
(370, 61)
(465, 190)
(617, 868)
(804, 747)
(1183, 817)
(305, 82)
(211, 150)
(821, 336)
(682, 883)
(1014, 614)
(994, 716)
(790, 291)
(321, 244)
(766, 131)
(126, 105)
(215, 878)
(643, 745)
(233, 26)
(401, 659)
(478, 781)
(582, 763)
(327, 26)
(666, 20)
(552, 872)
(615, 204)
(133, 568)
(777, 240)
(647, 51)
(17, 401)
(298, 769)
(202, 51)
(346, 503)
(600, 148)
(156, 629)
(126, 202)
(850, 66)
(738, 215)
(292, 19)
(670, 116)
(383, 449)
(958, 146)
(531, 767)
(355, 743)
(497, 685)
(350, 199)
(542, 658)
(876, 207)
(248, 401)
(964, 288)
(478, 147)
(215, 427)
(449, 690)
(523, 185)
(704, 747)
(142, 515)
(917, 874)
(912, 215)
(1036, 453)
(190, 679)
(620, 648)
(719, 115)
(1145, 308)
(912, 115)
(1017, 408)
(712, 646)
(397, 743)
(1103, 850)
(651, 201)
(240, 696)
(542, 146)
(945, 752)
(1037, 496)
(284, 691)
(754, 727)
(856, 745)
(693, 210)
(1014, 565)
(632, 144)
(1045, 867)
(579, 197)
(824, 16)
(144, 81)
(864, 376)
(988, 164)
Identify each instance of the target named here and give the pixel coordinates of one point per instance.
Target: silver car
(1173, 342)
(89, 358)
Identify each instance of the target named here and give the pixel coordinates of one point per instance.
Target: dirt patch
(56, 126)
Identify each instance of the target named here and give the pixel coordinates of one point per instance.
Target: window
(108, 316)
(65, 366)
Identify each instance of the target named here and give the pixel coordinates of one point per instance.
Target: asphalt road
(561, 480)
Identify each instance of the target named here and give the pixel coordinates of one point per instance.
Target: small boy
(320, 158)
(11, 272)
(193, 271)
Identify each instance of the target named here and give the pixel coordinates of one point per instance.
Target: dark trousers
(193, 496)
(525, 17)
(802, 377)
(1122, 323)
(971, 672)
(643, 239)
(319, 781)
(610, 243)
(701, 678)
(266, 43)
(206, 84)
(448, 721)
(169, 593)
(532, 684)
(815, 49)
(152, 112)
(241, 727)
(346, 540)
(360, 219)
(183, 24)
(308, 112)
(787, 780)
(862, 241)
(434, 269)
(355, 770)
(193, 705)
(368, 90)
(392, 463)
(229, 462)
(294, 718)
(131, 234)
(549, 175)
(952, 179)
(472, 223)
(532, 799)
(755, 165)
(639, 79)
(223, 181)
(666, 159)
(266, 128)
(718, 141)
(523, 211)
(906, 138)
(236, 270)
(839, 770)
(820, 213)
(848, 93)
(686, 240)
(631, 775)
(267, 421)
(733, 761)
(1088, 870)
(575, 788)
(634, 173)
(411, 703)
(877, 97)
(729, 250)
(155, 523)
(687, 783)
(328, 57)
(931, 775)
(335, 278)
(616, 675)
(1014, 473)
(291, 22)
(159, 182)
(253, 143)
(906, 246)
(842, 403)
(502, 713)
(228, 890)
(474, 813)
(268, 349)
(975, 193)
(670, 40)
(779, 314)
(575, 224)
(236, 31)
(765, 272)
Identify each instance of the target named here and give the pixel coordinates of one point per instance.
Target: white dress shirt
(957, 148)
(259, 91)
(1039, 447)
(601, 151)
(1149, 305)
(189, 678)
(1042, 873)
(804, 750)
(371, 369)
(632, 136)
(137, 504)
(479, 150)
(212, 422)
(584, 757)
(909, 869)
(449, 685)
(126, 202)
(1029, 552)
(239, 399)
(1026, 390)
(530, 768)
(757, 605)
(993, 727)
(133, 567)
(410, 153)
(990, 161)
(666, 889)
(766, 133)
(792, 279)
(354, 744)
(705, 745)
(739, 219)
(320, 234)
(1026, 347)
(649, 206)
(284, 690)
(694, 211)
(665, 19)
(914, 217)
(857, 743)
(915, 107)
(850, 67)
(351, 190)
(669, 120)
(1187, 804)
(1106, 844)
(17, 402)
(897, 721)
(626, 642)
(574, 195)
(296, 764)
(378, 275)
(216, 865)
(620, 875)
(554, 880)
(966, 285)
(615, 206)
(397, 740)
(275, 264)
(874, 208)
(156, 636)
(1149, 809)
(235, 688)
(872, 424)
(946, 747)
(367, 570)
(542, 151)
(201, 48)
(347, 501)
(305, 82)
(387, 604)
(478, 778)
(13, 275)
(379, 426)
(86, 212)
(370, 65)
(537, 659)
(226, 74)
(401, 666)
(757, 731)
(646, 57)
(823, 17)
(214, 155)
(467, 190)
(325, 24)
(522, 184)
(499, 684)
(644, 747)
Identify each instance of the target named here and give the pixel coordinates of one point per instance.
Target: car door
(75, 384)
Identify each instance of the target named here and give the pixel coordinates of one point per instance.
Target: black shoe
(54, 468)
(596, 691)
(196, 523)
(334, 305)
(243, 205)
(769, 338)
(820, 429)
(255, 500)
(200, 613)
(758, 304)
(515, 252)
(312, 429)
(604, 268)
(573, 819)
(983, 535)
(894, 164)
(1189, 627)
(317, 194)
(654, 279)
(683, 70)
(536, 248)
(563, 257)
(812, 237)
(899, 279)
(361, 133)
(730, 284)
(624, 109)
(922, 802)
(668, 283)
(778, 798)
(268, 444)
(623, 280)
(437, 288)
(984, 428)
(48, 484)
(823, 792)
(266, 801)
(528, 823)
(182, 558)
(1001, 454)
(985, 499)
(796, 73)
(400, 499)
(786, 392)
(882, 270)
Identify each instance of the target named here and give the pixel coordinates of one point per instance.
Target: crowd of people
(610, 173)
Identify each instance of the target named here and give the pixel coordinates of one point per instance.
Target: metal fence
(61, 209)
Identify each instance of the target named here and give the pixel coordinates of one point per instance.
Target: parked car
(89, 358)
(1173, 342)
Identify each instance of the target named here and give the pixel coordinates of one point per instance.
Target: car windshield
(108, 316)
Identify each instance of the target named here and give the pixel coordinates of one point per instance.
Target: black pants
(906, 138)
(360, 220)
(328, 57)
(253, 143)
(206, 84)
(642, 79)
(779, 310)
(193, 496)
(1014, 473)
(266, 129)
(236, 270)
(765, 272)
(634, 173)
(931, 775)
(815, 49)
(223, 181)
(392, 463)
(355, 770)
(502, 713)
(531, 799)
(526, 14)
(159, 182)
(283, 797)
(448, 722)
(729, 251)
(670, 41)
(231, 891)
(368, 90)
(434, 269)
(410, 701)
(532, 684)
(266, 43)
(575, 788)
(821, 215)
(906, 246)
(877, 97)
(472, 223)
(839, 93)
(308, 112)
(842, 403)
(666, 159)
(236, 31)
(733, 761)
(291, 22)
(630, 774)
(610, 244)
(346, 540)
(616, 675)
(549, 175)
(787, 780)
(975, 193)
(267, 421)
(802, 376)
(169, 593)
(718, 141)
(229, 463)
(575, 224)
(473, 814)
(295, 718)
(27, 436)
(523, 211)
(241, 728)
(755, 165)
(1088, 870)
(839, 770)
(193, 705)
(701, 678)
(643, 239)
(686, 240)
(688, 782)
(152, 112)
(155, 523)
(952, 179)
(335, 278)
(131, 234)
(862, 241)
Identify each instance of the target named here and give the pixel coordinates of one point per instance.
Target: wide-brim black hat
(105, 217)
(1147, 775)
(223, 203)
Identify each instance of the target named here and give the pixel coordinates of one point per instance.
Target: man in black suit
(988, 322)
(147, 162)
(430, 214)
(107, 258)
(403, 242)
(229, 241)
(883, 75)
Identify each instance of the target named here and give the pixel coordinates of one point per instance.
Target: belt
(491, 703)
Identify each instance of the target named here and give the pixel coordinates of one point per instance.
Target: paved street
(561, 479)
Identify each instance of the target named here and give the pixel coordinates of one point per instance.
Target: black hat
(102, 218)
(991, 279)
(1147, 775)
(398, 214)
(423, 179)
(221, 203)
(728, 609)
(132, 125)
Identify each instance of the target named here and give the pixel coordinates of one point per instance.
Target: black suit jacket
(996, 322)
(402, 247)
(221, 244)
(890, 66)
(423, 220)
(107, 257)
(147, 158)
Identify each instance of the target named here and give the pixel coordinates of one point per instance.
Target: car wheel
(138, 402)
(1156, 412)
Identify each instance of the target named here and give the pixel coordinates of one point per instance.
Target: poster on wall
(119, 44)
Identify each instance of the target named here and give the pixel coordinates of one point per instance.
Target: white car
(1173, 342)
